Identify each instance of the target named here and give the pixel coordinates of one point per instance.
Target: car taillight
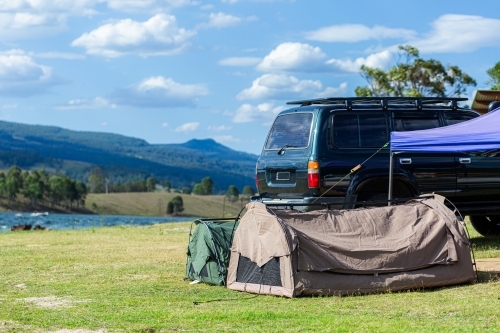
(313, 174)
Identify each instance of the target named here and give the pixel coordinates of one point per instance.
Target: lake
(78, 221)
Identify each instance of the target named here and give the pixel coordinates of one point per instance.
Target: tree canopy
(494, 74)
(232, 193)
(413, 76)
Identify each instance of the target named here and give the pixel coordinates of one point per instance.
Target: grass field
(130, 279)
(155, 204)
(140, 204)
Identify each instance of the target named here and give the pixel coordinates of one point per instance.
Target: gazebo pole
(391, 171)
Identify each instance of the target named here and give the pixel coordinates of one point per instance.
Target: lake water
(70, 221)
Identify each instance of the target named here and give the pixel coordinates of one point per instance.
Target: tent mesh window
(250, 272)
(203, 271)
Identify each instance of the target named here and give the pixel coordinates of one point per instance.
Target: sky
(168, 71)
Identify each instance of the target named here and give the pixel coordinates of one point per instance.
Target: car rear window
(458, 117)
(363, 130)
(413, 121)
(291, 130)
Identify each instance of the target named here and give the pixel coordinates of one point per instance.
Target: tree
(198, 189)
(57, 186)
(208, 185)
(175, 206)
(186, 190)
(414, 77)
(167, 185)
(151, 184)
(96, 180)
(248, 191)
(81, 190)
(13, 183)
(33, 188)
(494, 74)
(232, 193)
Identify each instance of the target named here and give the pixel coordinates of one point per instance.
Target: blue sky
(168, 71)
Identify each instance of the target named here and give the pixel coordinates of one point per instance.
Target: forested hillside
(123, 158)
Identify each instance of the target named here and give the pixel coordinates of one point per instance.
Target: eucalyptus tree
(13, 183)
(494, 74)
(33, 188)
(413, 76)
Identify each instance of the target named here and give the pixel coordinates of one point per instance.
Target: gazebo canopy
(476, 135)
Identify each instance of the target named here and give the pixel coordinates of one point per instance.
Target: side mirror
(493, 105)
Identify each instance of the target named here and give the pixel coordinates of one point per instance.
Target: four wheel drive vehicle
(314, 150)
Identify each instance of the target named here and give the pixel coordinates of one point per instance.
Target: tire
(486, 225)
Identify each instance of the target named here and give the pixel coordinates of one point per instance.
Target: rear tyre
(486, 225)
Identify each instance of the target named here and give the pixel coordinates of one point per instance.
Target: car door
(477, 174)
(433, 172)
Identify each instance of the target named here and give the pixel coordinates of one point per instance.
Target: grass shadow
(487, 276)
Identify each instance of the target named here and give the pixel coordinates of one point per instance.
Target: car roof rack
(452, 102)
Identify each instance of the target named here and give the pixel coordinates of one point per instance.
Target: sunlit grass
(130, 279)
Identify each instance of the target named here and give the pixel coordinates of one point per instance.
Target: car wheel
(486, 225)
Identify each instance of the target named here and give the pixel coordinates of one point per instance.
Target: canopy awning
(475, 135)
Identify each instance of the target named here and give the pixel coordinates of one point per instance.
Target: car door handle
(465, 160)
(405, 160)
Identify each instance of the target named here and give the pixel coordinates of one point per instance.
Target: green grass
(130, 279)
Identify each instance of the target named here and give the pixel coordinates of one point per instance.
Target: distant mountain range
(123, 158)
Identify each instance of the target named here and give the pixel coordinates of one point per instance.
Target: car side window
(363, 130)
(453, 117)
(405, 121)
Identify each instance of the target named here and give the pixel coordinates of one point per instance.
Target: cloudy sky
(168, 71)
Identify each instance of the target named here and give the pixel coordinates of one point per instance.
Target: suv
(313, 151)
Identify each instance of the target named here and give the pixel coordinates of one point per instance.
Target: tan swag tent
(288, 253)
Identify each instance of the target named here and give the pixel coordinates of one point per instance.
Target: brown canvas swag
(289, 253)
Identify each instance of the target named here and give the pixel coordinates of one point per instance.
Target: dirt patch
(52, 302)
(488, 265)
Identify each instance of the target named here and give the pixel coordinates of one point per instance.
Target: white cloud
(104, 123)
(459, 33)
(8, 106)
(280, 86)
(157, 36)
(187, 127)
(15, 26)
(134, 5)
(50, 6)
(20, 75)
(219, 128)
(226, 139)
(247, 113)
(296, 57)
(377, 60)
(59, 55)
(240, 61)
(164, 125)
(351, 33)
(159, 92)
(221, 20)
(95, 103)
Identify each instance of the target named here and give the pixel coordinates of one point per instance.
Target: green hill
(123, 158)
